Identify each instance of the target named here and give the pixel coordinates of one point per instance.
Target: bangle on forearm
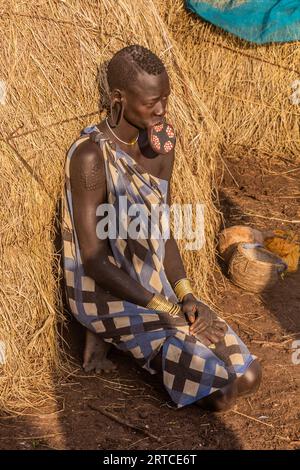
(160, 303)
(182, 287)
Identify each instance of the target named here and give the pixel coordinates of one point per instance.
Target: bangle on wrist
(182, 287)
(160, 303)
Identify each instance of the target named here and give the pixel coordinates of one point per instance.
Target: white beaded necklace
(126, 143)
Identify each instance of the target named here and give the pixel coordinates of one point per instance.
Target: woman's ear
(116, 96)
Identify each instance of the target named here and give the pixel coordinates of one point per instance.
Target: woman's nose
(160, 110)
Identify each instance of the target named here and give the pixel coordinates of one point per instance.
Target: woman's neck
(125, 132)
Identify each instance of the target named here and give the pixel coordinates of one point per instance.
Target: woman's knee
(221, 400)
(250, 381)
(224, 399)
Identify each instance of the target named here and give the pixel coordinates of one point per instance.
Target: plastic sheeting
(259, 21)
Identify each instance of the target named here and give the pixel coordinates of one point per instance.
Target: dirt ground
(268, 323)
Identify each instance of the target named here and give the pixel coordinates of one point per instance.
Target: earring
(114, 122)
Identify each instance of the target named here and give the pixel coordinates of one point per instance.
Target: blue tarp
(259, 21)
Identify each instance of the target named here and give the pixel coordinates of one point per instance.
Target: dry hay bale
(254, 268)
(50, 52)
(28, 328)
(246, 87)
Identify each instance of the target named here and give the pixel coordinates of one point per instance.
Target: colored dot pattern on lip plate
(159, 127)
(170, 132)
(156, 142)
(162, 137)
(168, 146)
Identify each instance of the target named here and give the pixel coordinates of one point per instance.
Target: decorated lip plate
(162, 137)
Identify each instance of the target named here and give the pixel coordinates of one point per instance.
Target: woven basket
(254, 268)
(231, 236)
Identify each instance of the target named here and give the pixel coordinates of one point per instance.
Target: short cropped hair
(125, 65)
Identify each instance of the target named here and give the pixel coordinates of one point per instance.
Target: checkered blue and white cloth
(191, 370)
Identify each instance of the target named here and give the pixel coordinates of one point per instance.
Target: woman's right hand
(205, 325)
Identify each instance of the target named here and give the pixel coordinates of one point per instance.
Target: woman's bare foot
(95, 352)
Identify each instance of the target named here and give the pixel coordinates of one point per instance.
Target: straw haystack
(50, 52)
(246, 87)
